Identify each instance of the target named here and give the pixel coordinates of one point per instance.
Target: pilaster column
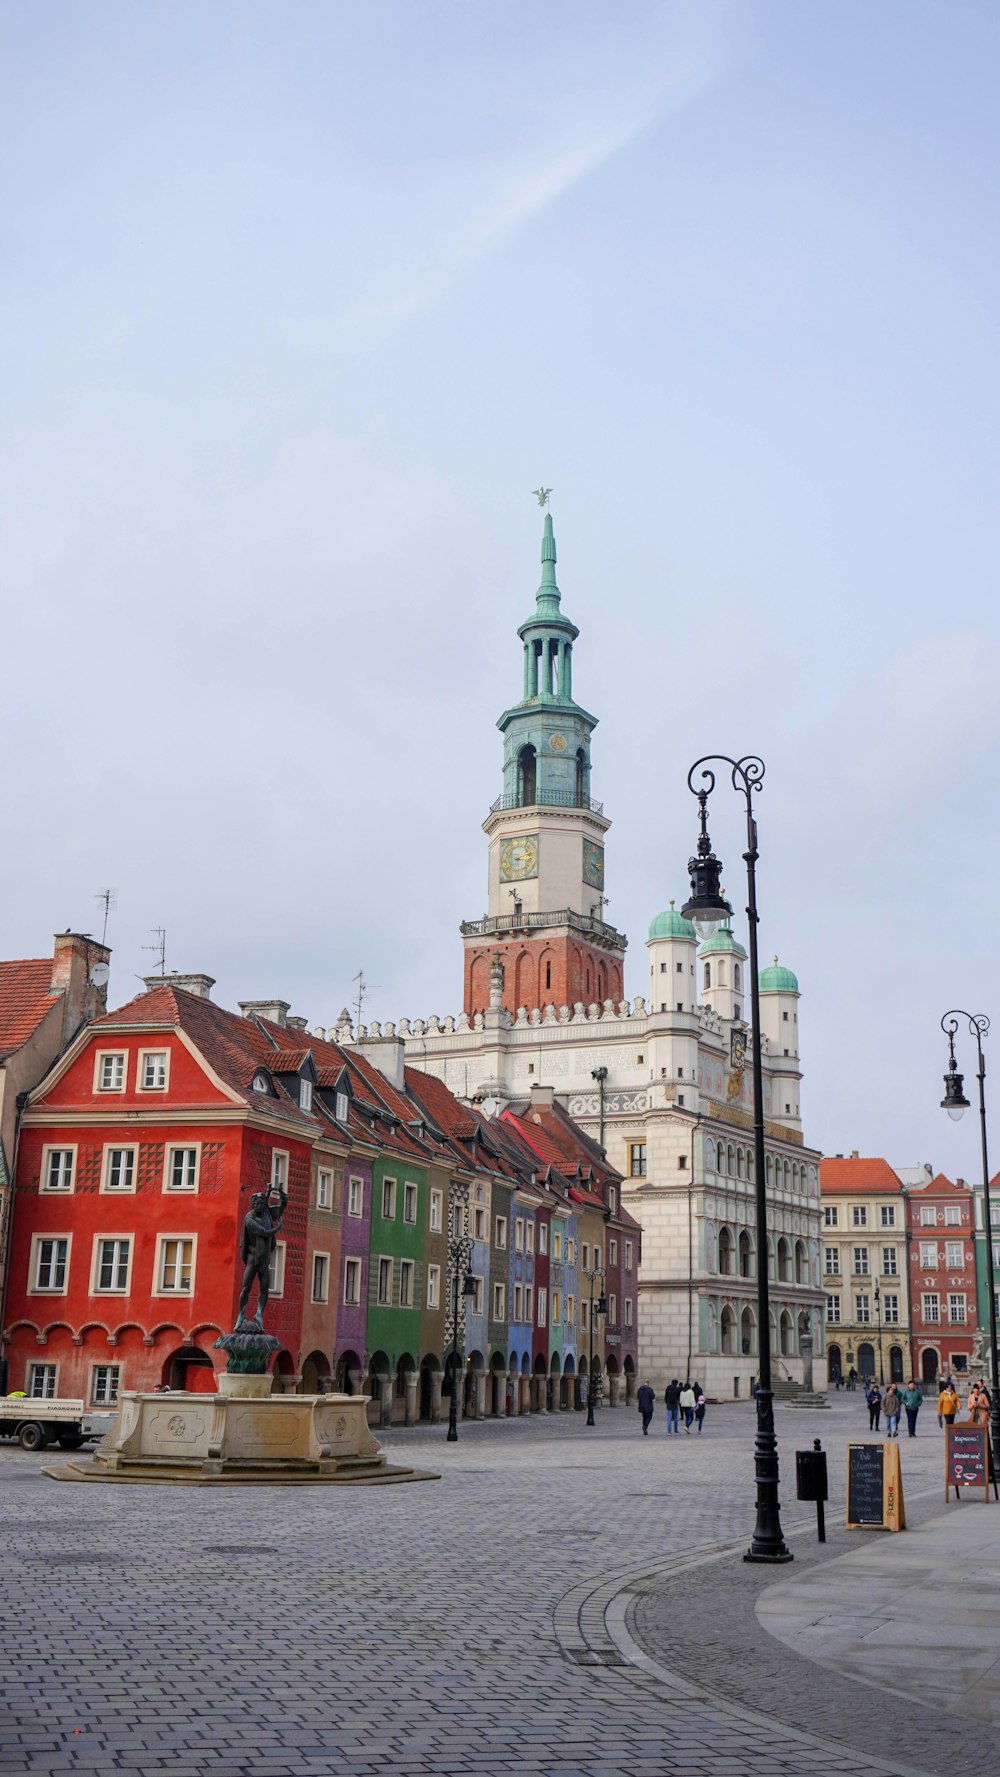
(480, 1393)
(385, 1398)
(437, 1379)
(410, 1379)
(524, 1394)
(613, 1382)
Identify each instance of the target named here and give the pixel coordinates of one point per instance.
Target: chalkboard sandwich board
(968, 1459)
(874, 1488)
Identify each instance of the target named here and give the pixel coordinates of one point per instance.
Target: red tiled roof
(285, 1061)
(844, 1177)
(25, 997)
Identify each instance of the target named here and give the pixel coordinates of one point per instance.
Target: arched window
(722, 974)
(751, 1170)
(581, 778)
(801, 1262)
(548, 974)
(708, 974)
(787, 1334)
(731, 1161)
(728, 1331)
(770, 1171)
(784, 1261)
(746, 1254)
(709, 1155)
(748, 1328)
(736, 976)
(526, 776)
(739, 1163)
(725, 1252)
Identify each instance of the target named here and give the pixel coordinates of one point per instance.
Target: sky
(297, 306)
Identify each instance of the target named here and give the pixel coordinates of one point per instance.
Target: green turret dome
(778, 979)
(723, 941)
(671, 924)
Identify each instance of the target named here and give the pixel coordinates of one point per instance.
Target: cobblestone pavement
(551, 1606)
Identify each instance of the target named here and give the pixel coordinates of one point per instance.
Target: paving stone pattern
(481, 1624)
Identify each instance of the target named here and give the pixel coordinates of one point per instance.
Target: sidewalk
(917, 1612)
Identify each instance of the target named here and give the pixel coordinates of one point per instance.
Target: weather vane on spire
(542, 495)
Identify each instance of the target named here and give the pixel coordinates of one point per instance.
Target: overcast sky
(300, 302)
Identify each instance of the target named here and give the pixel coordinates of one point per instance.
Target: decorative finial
(671, 903)
(542, 495)
(775, 959)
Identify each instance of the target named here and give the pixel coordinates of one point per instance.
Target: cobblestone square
(561, 1601)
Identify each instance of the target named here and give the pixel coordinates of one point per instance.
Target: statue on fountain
(248, 1347)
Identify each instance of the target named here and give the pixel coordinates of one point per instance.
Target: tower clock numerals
(519, 858)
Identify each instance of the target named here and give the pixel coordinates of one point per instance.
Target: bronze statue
(260, 1228)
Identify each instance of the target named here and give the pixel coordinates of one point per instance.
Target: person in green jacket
(911, 1398)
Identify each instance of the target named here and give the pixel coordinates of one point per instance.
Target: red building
(942, 1266)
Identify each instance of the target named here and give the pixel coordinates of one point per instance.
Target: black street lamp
(878, 1311)
(707, 908)
(601, 1307)
(955, 1103)
(460, 1255)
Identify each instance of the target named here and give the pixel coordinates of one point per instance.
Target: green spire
(548, 598)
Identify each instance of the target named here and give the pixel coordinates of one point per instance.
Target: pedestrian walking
(852, 1379)
(687, 1405)
(892, 1406)
(672, 1400)
(699, 1409)
(647, 1402)
(874, 1406)
(911, 1398)
(979, 1404)
(948, 1405)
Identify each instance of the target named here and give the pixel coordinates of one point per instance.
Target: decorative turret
(779, 1012)
(722, 961)
(671, 945)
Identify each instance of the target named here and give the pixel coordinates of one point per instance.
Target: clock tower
(546, 838)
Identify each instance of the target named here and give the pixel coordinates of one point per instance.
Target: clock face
(519, 858)
(557, 742)
(593, 864)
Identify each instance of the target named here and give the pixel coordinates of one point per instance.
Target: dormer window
(259, 1083)
(305, 1095)
(341, 1107)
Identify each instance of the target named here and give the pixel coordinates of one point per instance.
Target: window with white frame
(928, 1217)
(182, 1169)
(556, 1309)
(500, 1233)
(612, 1252)
(119, 1169)
(953, 1215)
(996, 1255)
(862, 1310)
(478, 1296)
(628, 1311)
(352, 1282)
(861, 1261)
(928, 1255)
(355, 1196)
(109, 1072)
(529, 1238)
(104, 1381)
(861, 1215)
(543, 1239)
(518, 1312)
(175, 1267)
(519, 1234)
(152, 1070)
(994, 1215)
(305, 1095)
(529, 1302)
(41, 1382)
(931, 1305)
(628, 1255)
(279, 1170)
(953, 1255)
(479, 1224)
(888, 1215)
(585, 1258)
(613, 1194)
(612, 1311)
(956, 1310)
(831, 1215)
(831, 1261)
(557, 1244)
(51, 1263)
(570, 1310)
(585, 1315)
(340, 1107)
(543, 1306)
(890, 1308)
(433, 1286)
(321, 1277)
(385, 1281)
(58, 1165)
(436, 1219)
(890, 1266)
(111, 1264)
(324, 1188)
(388, 1200)
(833, 1311)
(406, 1283)
(637, 1159)
(499, 1301)
(276, 1269)
(410, 1203)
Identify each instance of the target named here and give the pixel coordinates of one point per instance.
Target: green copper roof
(671, 924)
(778, 979)
(722, 940)
(548, 599)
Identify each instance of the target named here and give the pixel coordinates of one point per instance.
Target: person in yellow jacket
(948, 1405)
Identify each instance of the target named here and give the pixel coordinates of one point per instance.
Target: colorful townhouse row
(135, 1159)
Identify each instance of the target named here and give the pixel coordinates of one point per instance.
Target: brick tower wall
(559, 971)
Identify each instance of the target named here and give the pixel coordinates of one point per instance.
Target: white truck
(38, 1423)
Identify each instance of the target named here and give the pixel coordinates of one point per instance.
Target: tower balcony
(549, 799)
(510, 924)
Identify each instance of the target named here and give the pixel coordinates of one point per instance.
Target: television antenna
(160, 947)
(364, 987)
(108, 898)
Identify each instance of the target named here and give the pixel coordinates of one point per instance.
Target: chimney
(80, 974)
(388, 1054)
(297, 1023)
(541, 1095)
(200, 985)
(854, 1154)
(276, 1011)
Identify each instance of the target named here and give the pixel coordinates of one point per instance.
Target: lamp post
(707, 908)
(600, 1074)
(878, 1311)
(600, 1308)
(460, 1255)
(956, 1103)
